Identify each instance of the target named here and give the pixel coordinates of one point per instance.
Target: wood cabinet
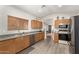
(15, 23)
(55, 37)
(39, 36)
(21, 43)
(25, 25)
(33, 24)
(25, 41)
(17, 44)
(63, 21)
(21, 22)
(41, 25)
(14, 45)
(12, 23)
(36, 24)
(7, 46)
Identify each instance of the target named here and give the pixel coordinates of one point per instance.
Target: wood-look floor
(46, 47)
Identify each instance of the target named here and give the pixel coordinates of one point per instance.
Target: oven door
(63, 37)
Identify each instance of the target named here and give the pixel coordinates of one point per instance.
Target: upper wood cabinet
(25, 25)
(12, 23)
(40, 26)
(36, 24)
(63, 21)
(15, 23)
(33, 24)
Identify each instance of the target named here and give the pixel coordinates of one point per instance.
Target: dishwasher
(32, 39)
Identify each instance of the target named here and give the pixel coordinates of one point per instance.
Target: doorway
(49, 28)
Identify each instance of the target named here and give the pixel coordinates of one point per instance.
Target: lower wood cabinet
(17, 44)
(39, 36)
(55, 37)
(14, 45)
(7, 46)
(25, 41)
(21, 43)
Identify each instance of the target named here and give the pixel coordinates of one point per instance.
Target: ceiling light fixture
(43, 6)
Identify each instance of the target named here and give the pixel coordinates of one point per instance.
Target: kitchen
(38, 29)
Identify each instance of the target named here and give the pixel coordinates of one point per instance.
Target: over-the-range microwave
(63, 26)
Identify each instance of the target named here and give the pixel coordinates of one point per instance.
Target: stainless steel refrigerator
(74, 43)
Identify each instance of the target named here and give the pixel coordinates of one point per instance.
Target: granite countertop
(9, 36)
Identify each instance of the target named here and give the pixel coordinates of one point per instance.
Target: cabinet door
(33, 22)
(18, 44)
(25, 25)
(42, 36)
(21, 43)
(7, 46)
(25, 42)
(37, 24)
(55, 39)
(20, 24)
(41, 25)
(11, 23)
(56, 23)
(15, 23)
(37, 37)
(66, 21)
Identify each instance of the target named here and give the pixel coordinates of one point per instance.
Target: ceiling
(45, 10)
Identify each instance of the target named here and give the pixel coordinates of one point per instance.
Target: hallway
(46, 47)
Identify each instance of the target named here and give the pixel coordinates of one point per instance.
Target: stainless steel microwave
(63, 26)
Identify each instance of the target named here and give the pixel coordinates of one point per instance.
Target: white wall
(2, 18)
(13, 11)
